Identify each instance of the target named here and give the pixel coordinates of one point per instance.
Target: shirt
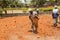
(55, 11)
(34, 13)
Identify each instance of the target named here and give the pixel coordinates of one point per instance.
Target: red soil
(17, 28)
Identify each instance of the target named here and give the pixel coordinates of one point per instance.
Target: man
(30, 17)
(37, 10)
(35, 20)
(55, 15)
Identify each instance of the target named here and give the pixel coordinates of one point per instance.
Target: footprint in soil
(6, 25)
(14, 21)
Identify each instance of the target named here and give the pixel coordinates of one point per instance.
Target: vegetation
(17, 4)
(46, 2)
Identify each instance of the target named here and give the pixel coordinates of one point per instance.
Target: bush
(1, 11)
(45, 9)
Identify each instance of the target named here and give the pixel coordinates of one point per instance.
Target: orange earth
(17, 28)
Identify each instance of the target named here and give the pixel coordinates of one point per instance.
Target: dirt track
(17, 28)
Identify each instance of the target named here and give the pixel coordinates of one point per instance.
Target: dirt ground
(17, 28)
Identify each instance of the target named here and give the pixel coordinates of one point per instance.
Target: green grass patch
(25, 9)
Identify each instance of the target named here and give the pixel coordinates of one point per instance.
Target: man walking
(55, 15)
(31, 17)
(34, 20)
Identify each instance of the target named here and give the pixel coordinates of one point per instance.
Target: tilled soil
(18, 27)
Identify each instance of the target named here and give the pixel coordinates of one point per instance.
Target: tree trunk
(5, 11)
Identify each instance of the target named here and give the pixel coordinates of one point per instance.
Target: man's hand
(37, 17)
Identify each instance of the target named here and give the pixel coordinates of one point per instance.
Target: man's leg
(55, 22)
(32, 25)
(36, 25)
(36, 28)
(59, 19)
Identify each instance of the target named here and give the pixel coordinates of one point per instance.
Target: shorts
(55, 15)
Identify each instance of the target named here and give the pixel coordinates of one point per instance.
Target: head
(55, 7)
(30, 9)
